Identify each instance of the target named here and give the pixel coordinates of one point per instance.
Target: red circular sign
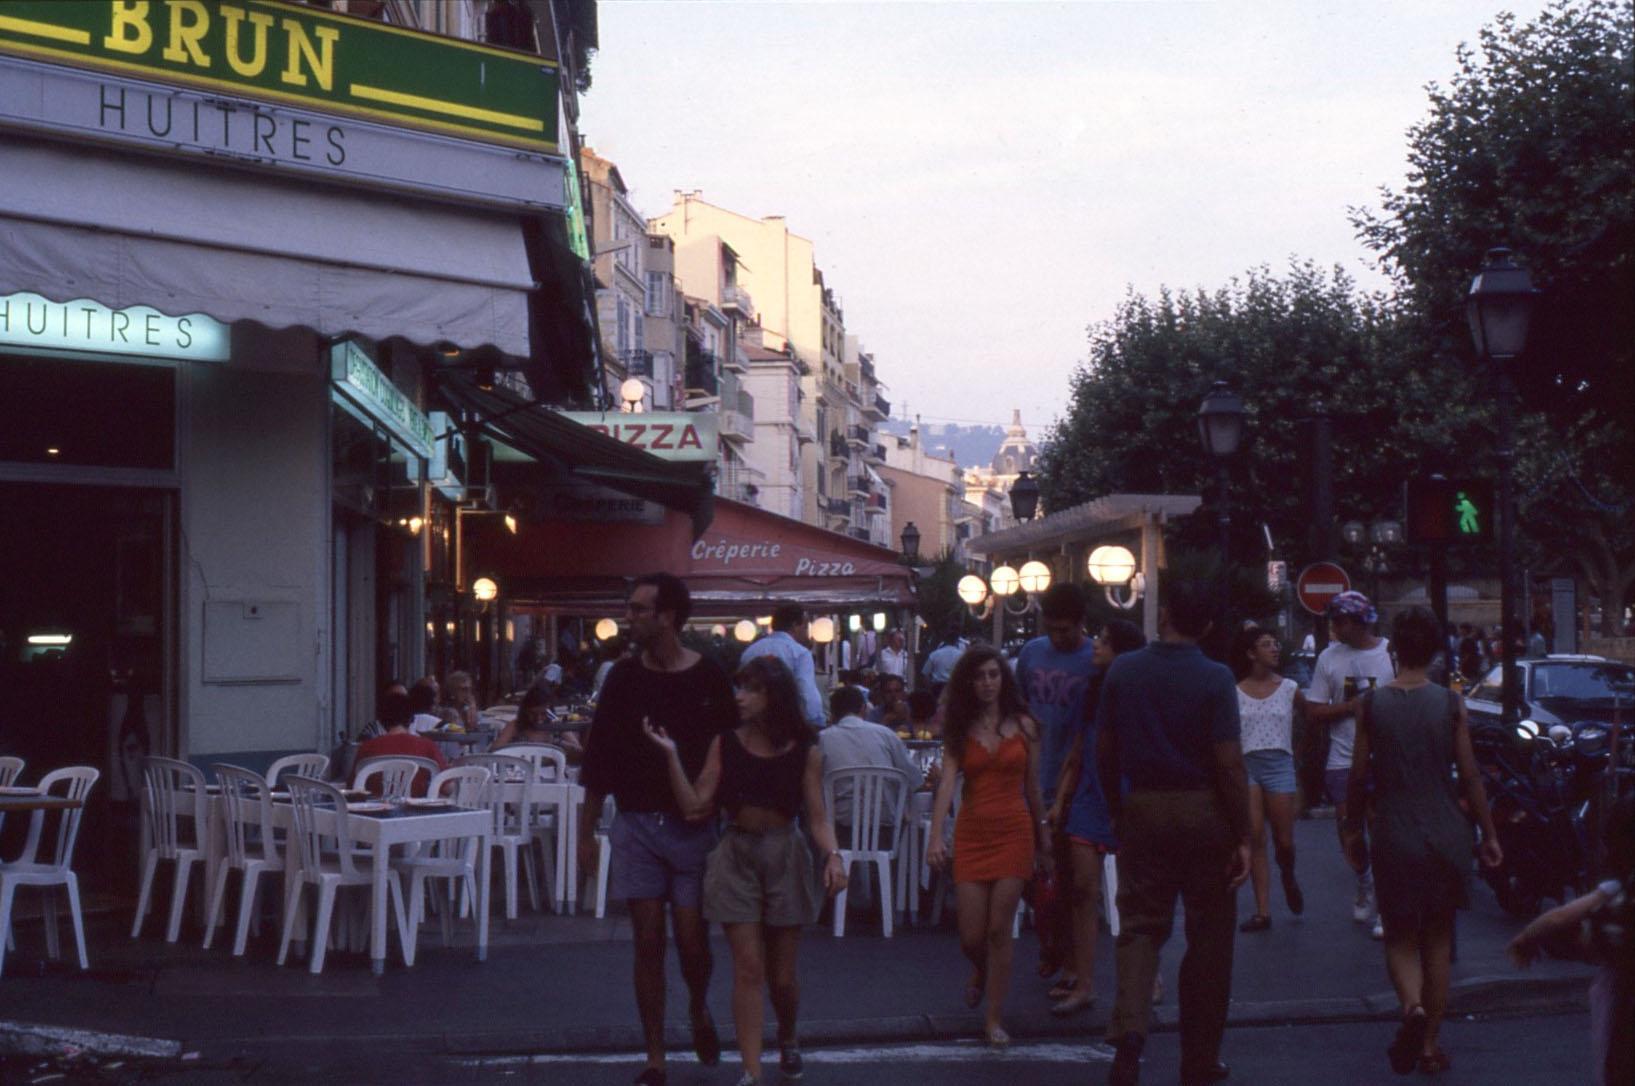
(1319, 583)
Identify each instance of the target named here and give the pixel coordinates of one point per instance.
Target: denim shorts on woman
(761, 878)
(1273, 770)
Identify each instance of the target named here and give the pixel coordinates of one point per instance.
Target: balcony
(638, 363)
(839, 507)
(858, 533)
(882, 406)
(701, 377)
(837, 444)
(878, 454)
(877, 503)
(859, 484)
(858, 435)
(735, 299)
(737, 426)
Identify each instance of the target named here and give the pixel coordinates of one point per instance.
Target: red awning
(746, 562)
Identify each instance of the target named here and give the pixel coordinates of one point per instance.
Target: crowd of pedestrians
(1086, 755)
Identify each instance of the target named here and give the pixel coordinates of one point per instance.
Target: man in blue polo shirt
(1169, 730)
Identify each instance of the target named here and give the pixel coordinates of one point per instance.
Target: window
(113, 414)
(1490, 688)
(622, 323)
(658, 292)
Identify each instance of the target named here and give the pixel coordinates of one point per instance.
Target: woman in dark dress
(1410, 734)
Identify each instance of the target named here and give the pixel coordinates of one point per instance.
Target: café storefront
(237, 245)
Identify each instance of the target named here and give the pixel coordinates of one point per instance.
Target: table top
(37, 802)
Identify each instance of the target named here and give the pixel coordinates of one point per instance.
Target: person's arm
(1318, 709)
(1068, 781)
(1044, 858)
(936, 854)
(695, 798)
(1557, 931)
(806, 683)
(1232, 785)
(1470, 774)
(508, 734)
(817, 820)
(904, 761)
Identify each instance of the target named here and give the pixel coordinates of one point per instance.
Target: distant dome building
(1016, 453)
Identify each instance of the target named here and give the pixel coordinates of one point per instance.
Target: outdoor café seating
(175, 806)
(68, 787)
(252, 848)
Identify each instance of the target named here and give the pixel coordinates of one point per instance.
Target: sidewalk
(562, 984)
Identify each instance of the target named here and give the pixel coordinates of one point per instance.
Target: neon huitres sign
(33, 322)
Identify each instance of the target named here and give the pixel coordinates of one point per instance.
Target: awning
(125, 230)
(749, 561)
(567, 446)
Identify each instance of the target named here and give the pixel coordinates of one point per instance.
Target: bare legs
(693, 947)
(763, 960)
(1085, 890)
(986, 911)
(1418, 964)
(1276, 808)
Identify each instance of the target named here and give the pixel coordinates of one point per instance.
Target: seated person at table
(891, 705)
(399, 741)
(460, 701)
(533, 726)
(375, 728)
(423, 696)
(924, 715)
(853, 743)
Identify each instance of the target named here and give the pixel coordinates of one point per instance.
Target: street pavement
(560, 985)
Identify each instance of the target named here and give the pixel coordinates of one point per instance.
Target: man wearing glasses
(658, 856)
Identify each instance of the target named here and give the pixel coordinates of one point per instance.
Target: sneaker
(789, 1063)
(1378, 930)
(747, 1079)
(1363, 910)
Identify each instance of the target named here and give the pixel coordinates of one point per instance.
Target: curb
(1477, 995)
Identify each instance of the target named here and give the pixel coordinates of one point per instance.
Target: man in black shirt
(658, 856)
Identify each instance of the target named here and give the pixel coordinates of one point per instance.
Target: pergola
(1064, 539)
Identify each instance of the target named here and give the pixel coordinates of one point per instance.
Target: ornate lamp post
(911, 542)
(1220, 431)
(1499, 308)
(1024, 497)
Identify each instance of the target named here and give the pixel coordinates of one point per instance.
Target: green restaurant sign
(280, 52)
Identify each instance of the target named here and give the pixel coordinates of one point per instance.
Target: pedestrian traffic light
(1441, 510)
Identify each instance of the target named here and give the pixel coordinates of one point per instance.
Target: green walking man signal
(1438, 510)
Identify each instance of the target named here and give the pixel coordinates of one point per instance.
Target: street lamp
(1113, 567)
(1499, 309)
(911, 541)
(1220, 430)
(1024, 497)
(1033, 577)
(631, 394)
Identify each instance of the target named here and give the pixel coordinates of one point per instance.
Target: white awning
(77, 222)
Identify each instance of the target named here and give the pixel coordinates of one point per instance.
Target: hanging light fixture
(823, 629)
(606, 629)
(1004, 580)
(1034, 577)
(744, 631)
(484, 590)
(972, 591)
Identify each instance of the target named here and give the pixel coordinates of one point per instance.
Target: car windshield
(1584, 682)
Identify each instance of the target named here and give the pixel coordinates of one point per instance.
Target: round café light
(879, 622)
(484, 590)
(632, 391)
(718, 631)
(1004, 580)
(972, 590)
(1111, 565)
(854, 623)
(1034, 577)
(823, 629)
(606, 629)
(744, 631)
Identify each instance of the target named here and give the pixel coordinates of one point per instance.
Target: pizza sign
(670, 435)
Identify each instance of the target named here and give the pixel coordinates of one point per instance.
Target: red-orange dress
(993, 835)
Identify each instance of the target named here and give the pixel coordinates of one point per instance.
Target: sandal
(1433, 1063)
(1072, 1004)
(1258, 922)
(1062, 989)
(1405, 1048)
(1292, 894)
(997, 1037)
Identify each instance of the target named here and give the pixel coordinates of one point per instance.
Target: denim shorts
(659, 856)
(1273, 770)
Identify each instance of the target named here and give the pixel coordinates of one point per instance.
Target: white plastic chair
(551, 829)
(302, 765)
(454, 858)
(877, 797)
(172, 791)
(29, 870)
(326, 861)
(396, 774)
(604, 853)
(11, 768)
(511, 802)
(252, 848)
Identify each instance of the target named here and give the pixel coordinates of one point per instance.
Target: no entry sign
(1319, 583)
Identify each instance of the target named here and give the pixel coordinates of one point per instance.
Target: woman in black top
(759, 881)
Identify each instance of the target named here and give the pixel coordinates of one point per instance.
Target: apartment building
(619, 250)
(796, 310)
(928, 489)
(774, 379)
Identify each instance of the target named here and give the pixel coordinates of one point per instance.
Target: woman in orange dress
(988, 734)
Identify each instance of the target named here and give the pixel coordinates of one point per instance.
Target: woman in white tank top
(1267, 705)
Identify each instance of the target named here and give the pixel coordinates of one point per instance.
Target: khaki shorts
(761, 878)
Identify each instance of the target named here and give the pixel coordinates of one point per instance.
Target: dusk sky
(984, 180)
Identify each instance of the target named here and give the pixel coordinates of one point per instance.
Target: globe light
(879, 622)
(854, 623)
(1110, 565)
(484, 590)
(1034, 577)
(606, 629)
(744, 631)
(1004, 580)
(822, 629)
(972, 590)
(718, 631)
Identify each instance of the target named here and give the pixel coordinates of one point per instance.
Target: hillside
(971, 446)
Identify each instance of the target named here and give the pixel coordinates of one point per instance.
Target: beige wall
(922, 499)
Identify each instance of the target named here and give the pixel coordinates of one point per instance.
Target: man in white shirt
(787, 642)
(1356, 661)
(894, 657)
(853, 743)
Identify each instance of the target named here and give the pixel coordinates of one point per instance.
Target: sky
(983, 181)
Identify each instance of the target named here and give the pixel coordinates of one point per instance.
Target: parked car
(1562, 689)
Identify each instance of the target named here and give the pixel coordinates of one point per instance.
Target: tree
(1285, 344)
(1532, 146)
